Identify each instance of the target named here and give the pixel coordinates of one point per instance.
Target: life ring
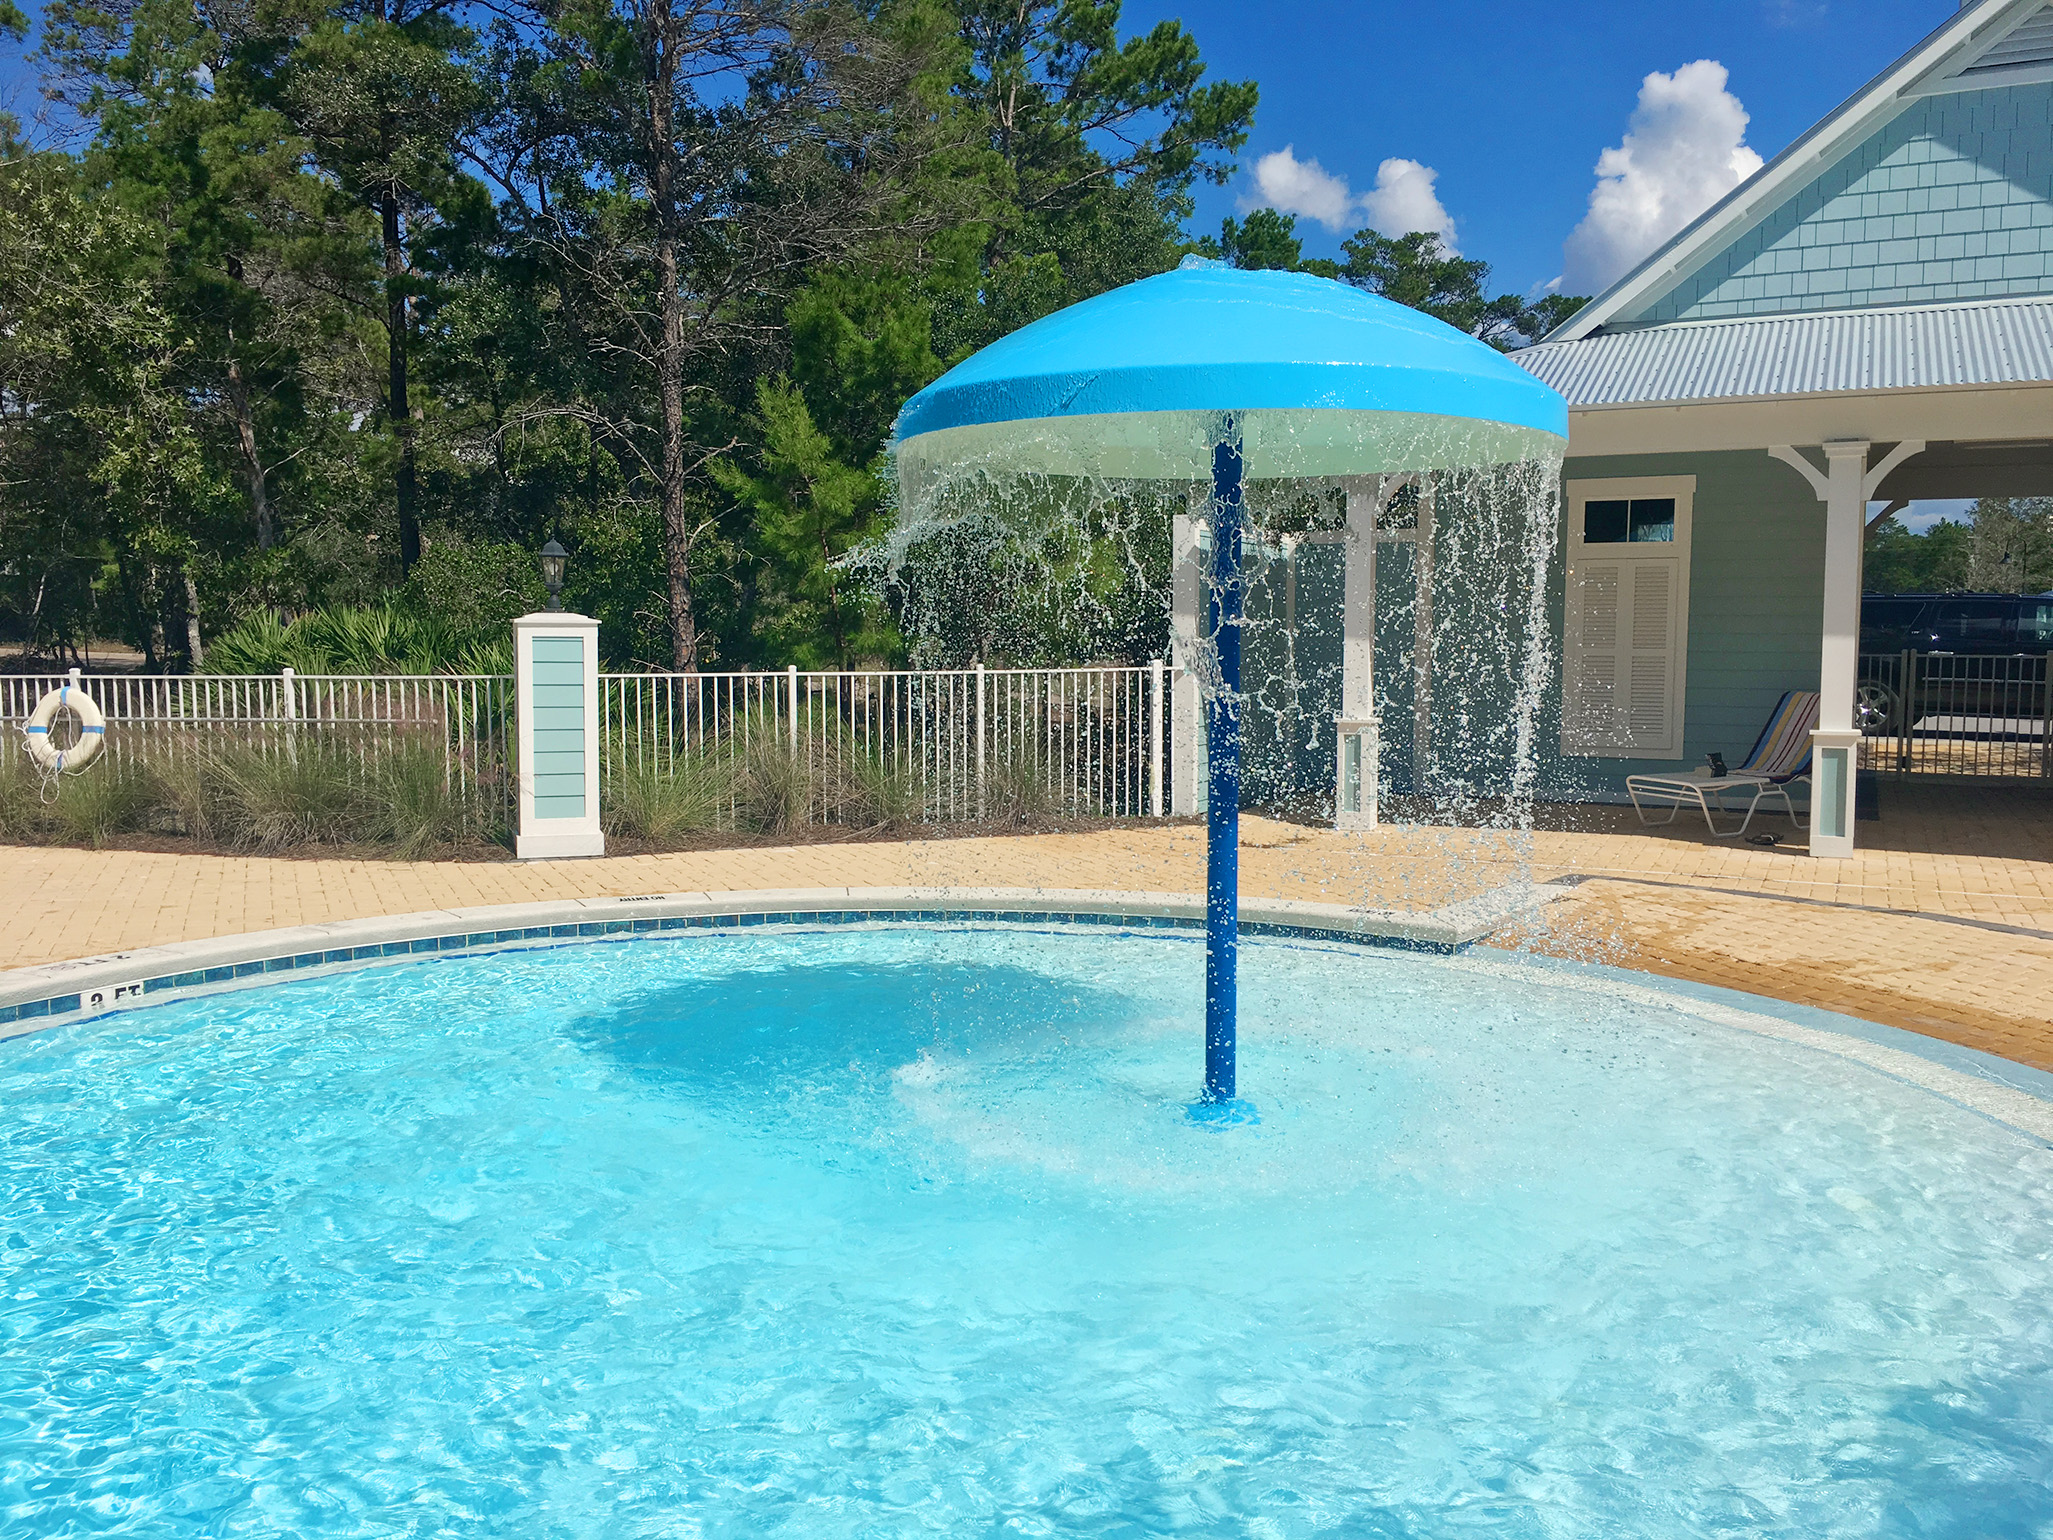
(92, 730)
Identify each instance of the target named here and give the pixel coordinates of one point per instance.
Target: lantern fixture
(553, 557)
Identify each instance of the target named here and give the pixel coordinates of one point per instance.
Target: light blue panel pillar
(556, 681)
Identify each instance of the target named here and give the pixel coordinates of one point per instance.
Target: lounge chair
(1781, 757)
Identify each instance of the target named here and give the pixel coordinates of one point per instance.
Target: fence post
(1155, 672)
(2046, 716)
(981, 800)
(791, 704)
(1906, 707)
(556, 703)
(288, 709)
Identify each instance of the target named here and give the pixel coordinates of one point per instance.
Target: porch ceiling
(1988, 469)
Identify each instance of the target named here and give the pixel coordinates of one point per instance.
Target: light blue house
(1869, 317)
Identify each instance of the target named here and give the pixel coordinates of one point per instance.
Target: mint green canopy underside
(1177, 446)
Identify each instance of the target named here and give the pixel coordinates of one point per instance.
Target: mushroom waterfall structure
(1215, 375)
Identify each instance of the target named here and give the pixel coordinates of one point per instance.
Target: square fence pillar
(556, 699)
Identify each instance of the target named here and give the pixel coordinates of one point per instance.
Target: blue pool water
(900, 1232)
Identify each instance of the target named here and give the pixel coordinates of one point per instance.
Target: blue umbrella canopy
(1321, 378)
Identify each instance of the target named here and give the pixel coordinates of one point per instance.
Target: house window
(1629, 521)
(1625, 646)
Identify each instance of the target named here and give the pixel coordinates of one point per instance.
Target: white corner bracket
(1820, 481)
(556, 698)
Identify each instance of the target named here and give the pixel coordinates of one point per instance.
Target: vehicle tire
(1875, 707)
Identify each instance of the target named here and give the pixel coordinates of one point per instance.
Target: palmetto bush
(348, 639)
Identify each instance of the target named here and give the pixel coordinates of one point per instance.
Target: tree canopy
(358, 302)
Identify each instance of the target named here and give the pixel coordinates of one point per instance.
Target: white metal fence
(1943, 713)
(974, 743)
(165, 718)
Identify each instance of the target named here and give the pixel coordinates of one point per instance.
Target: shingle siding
(1953, 199)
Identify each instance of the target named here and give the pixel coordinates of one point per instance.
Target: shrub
(352, 639)
(829, 777)
(184, 801)
(24, 812)
(304, 793)
(1017, 787)
(415, 803)
(101, 801)
(685, 795)
(869, 792)
(773, 787)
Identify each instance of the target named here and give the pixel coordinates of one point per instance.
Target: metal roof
(2000, 342)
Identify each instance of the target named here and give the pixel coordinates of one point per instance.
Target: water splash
(993, 556)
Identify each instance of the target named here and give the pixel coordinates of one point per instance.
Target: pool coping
(52, 993)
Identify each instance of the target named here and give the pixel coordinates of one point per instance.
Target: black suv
(1981, 668)
(1957, 623)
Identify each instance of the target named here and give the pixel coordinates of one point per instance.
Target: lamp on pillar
(556, 709)
(553, 558)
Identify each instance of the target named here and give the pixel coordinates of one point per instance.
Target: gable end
(1952, 199)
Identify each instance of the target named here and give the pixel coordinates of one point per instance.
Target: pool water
(881, 1232)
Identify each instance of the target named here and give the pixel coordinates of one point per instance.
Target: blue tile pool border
(73, 1003)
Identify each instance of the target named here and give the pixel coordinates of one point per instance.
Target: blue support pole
(1222, 773)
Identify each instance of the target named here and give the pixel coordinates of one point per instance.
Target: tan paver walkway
(1669, 901)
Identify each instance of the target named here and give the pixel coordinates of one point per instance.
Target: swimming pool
(869, 1231)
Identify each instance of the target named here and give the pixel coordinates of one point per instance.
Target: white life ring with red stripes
(92, 730)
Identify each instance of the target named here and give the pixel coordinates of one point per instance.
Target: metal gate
(1949, 713)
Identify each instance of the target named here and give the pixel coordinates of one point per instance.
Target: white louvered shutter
(1623, 645)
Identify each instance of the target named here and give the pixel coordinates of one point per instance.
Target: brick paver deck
(1971, 871)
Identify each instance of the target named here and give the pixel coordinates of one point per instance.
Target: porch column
(1845, 489)
(1354, 777)
(1835, 746)
(1186, 724)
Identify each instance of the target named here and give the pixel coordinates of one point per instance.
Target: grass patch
(689, 794)
(272, 798)
(102, 801)
(416, 805)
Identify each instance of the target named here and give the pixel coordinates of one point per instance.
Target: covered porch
(1787, 440)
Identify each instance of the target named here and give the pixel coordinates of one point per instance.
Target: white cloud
(1402, 200)
(1684, 149)
(1292, 186)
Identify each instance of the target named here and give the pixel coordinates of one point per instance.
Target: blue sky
(1506, 103)
(1492, 114)
(1510, 102)
(1510, 105)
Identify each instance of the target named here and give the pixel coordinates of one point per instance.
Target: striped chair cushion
(1783, 751)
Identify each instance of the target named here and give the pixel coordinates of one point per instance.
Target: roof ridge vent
(2022, 54)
